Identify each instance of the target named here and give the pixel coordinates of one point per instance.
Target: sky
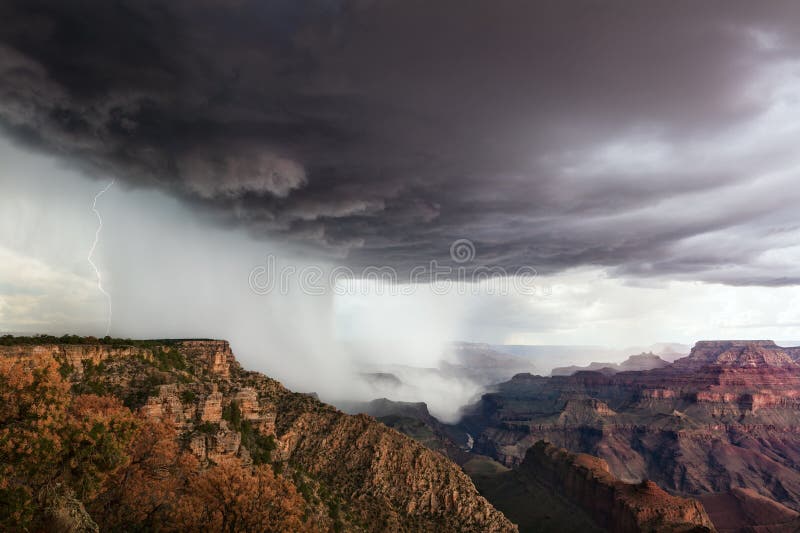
(640, 157)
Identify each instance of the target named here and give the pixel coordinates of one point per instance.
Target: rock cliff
(737, 353)
(356, 474)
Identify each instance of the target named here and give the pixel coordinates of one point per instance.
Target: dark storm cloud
(552, 134)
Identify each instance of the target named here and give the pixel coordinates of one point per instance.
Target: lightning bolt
(91, 252)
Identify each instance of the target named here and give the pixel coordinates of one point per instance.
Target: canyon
(722, 419)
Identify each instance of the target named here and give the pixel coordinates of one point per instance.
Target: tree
(96, 436)
(232, 497)
(62, 455)
(141, 495)
(32, 413)
(53, 445)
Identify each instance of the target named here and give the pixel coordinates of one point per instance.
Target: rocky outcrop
(738, 353)
(222, 442)
(383, 407)
(613, 504)
(215, 356)
(584, 411)
(603, 368)
(73, 355)
(167, 405)
(254, 411)
(64, 513)
(211, 406)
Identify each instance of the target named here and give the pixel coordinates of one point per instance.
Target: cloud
(35, 296)
(229, 176)
(654, 140)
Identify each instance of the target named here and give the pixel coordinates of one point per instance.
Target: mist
(173, 274)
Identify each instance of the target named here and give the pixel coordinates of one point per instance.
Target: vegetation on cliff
(177, 436)
(117, 470)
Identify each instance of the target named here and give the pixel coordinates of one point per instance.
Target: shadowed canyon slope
(353, 473)
(613, 504)
(576, 493)
(553, 490)
(746, 510)
(726, 416)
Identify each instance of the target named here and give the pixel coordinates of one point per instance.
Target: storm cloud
(653, 139)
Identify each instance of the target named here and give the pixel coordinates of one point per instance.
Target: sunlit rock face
(215, 355)
(727, 415)
(742, 354)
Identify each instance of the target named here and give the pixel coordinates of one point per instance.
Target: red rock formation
(262, 416)
(737, 353)
(215, 355)
(167, 405)
(726, 416)
(73, 355)
(211, 406)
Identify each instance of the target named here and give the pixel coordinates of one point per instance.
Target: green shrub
(188, 396)
(209, 428)
(168, 359)
(65, 369)
(259, 445)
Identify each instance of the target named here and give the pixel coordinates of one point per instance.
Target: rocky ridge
(738, 354)
(380, 479)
